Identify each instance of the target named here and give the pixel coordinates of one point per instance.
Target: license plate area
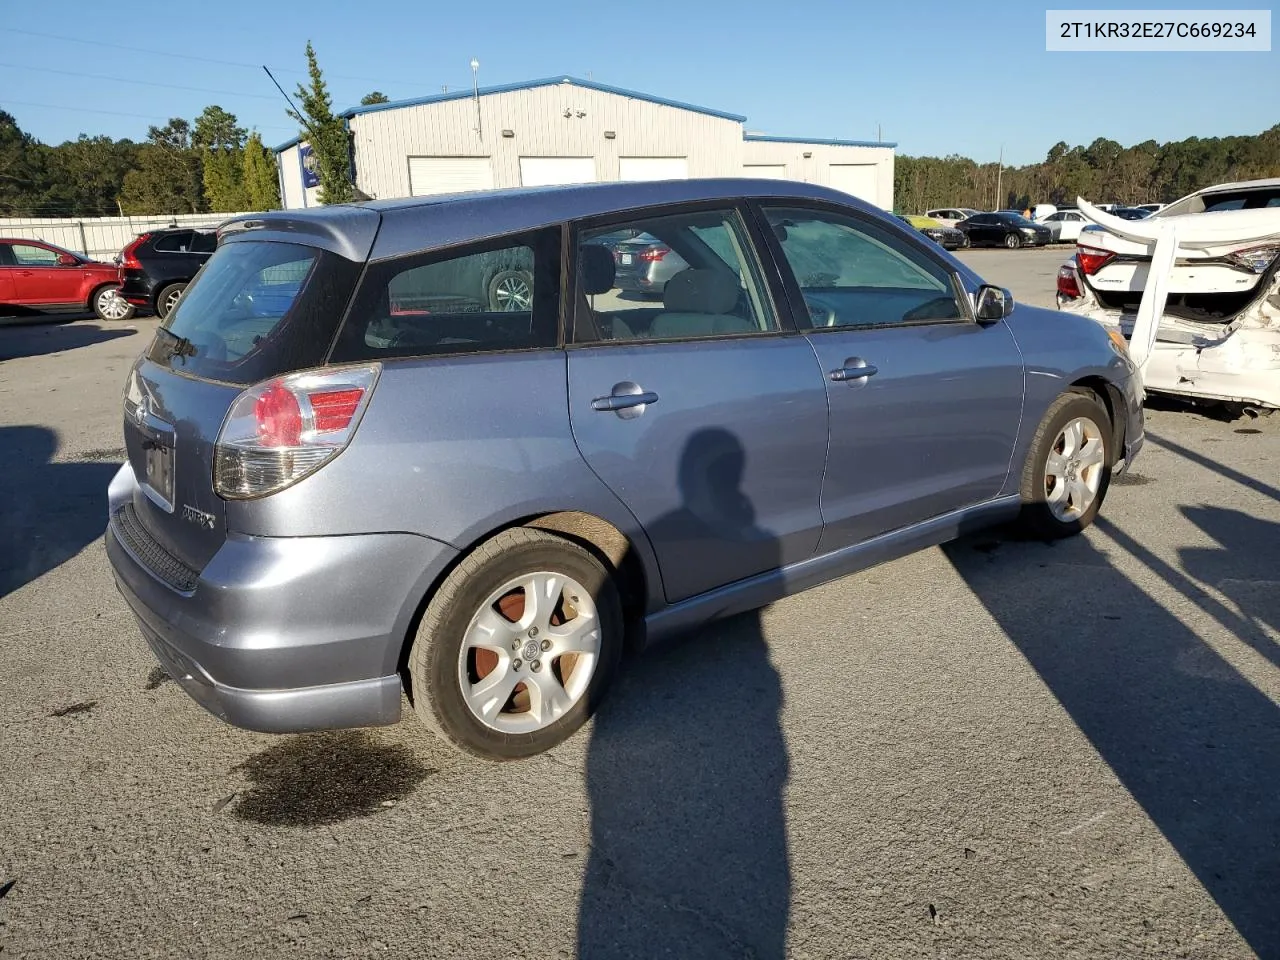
(625, 258)
(159, 476)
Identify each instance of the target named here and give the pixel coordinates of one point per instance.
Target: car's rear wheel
(108, 305)
(1012, 241)
(168, 299)
(1068, 468)
(517, 646)
(511, 290)
(964, 241)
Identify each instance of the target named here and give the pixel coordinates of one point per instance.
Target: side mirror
(67, 260)
(992, 303)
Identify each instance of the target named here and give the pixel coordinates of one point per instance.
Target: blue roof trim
(532, 84)
(287, 144)
(761, 138)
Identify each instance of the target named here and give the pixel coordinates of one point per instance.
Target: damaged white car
(1194, 288)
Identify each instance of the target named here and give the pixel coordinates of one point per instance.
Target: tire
(510, 291)
(109, 307)
(474, 602)
(965, 243)
(168, 298)
(1012, 240)
(1061, 497)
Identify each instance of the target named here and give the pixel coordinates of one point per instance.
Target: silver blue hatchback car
(350, 474)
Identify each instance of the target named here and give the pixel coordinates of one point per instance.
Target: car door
(703, 413)
(7, 271)
(1071, 224)
(39, 278)
(925, 402)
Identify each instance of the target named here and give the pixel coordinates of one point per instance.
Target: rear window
(255, 310)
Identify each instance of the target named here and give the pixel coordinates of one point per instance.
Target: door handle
(628, 400)
(854, 370)
(26, 273)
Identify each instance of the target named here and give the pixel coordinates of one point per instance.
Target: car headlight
(1118, 341)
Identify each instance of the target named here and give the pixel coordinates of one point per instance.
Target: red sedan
(40, 276)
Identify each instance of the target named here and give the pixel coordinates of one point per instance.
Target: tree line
(211, 165)
(1103, 172)
(215, 166)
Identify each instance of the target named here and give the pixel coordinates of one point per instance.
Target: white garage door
(766, 171)
(550, 171)
(429, 175)
(653, 168)
(859, 179)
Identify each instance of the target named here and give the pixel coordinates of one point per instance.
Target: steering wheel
(821, 314)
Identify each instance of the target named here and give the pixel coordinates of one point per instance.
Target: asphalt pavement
(996, 749)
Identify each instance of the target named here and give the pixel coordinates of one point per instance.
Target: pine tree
(326, 134)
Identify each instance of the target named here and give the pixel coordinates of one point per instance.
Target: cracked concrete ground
(996, 749)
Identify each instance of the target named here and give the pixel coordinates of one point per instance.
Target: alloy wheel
(1073, 470)
(529, 653)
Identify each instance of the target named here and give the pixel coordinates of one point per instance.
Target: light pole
(999, 176)
(475, 93)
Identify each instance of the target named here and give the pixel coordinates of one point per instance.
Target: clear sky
(937, 77)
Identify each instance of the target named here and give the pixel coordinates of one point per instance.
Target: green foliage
(85, 175)
(23, 174)
(369, 99)
(168, 176)
(258, 173)
(220, 142)
(326, 134)
(1104, 172)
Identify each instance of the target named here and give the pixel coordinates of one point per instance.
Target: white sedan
(1065, 225)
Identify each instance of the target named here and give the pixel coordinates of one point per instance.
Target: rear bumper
(136, 288)
(284, 635)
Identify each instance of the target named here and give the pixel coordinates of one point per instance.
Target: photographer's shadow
(686, 768)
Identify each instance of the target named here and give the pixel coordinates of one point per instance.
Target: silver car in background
(351, 472)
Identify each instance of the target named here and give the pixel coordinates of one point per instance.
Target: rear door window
(500, 295)
(174, 243)
(256, 310)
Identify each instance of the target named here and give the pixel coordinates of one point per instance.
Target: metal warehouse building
(564, 130)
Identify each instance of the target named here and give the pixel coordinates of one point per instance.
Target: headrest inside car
(701, 291)
(596, 268)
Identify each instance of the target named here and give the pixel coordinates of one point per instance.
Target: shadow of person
(49, 511)
(1190, 738)
(686, 766)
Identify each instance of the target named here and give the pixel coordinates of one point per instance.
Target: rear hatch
(258, 309)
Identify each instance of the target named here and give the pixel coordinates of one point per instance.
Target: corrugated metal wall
(566, 120)
(817, 167)
(100, 237)
(386, 139)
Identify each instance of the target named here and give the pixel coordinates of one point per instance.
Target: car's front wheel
(1013, 241)
(517, 646)
(965, 242)
(1068, 468)
(110, 306)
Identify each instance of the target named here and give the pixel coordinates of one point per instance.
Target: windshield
(255, 310)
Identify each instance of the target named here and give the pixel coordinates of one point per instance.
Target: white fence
(101, 237)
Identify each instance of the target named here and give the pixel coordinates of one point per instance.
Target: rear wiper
(176, 346)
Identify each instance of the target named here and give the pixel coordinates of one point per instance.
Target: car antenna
(293, 106)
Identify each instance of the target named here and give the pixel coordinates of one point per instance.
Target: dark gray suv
(351, 472)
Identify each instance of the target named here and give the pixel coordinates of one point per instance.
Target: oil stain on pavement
(82, 707)
(323, 778)
(156, 678)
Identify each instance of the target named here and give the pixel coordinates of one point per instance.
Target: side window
(502, 295)
(204, 242)
(174, 243)
(670, 278)
(6, 255)
(855, 273)
(29, 255)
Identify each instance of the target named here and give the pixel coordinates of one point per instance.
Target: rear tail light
(1067, 285)
(654, 254)
(285, 429)
(1256, 259)
(129, 255)
(1091, 259)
